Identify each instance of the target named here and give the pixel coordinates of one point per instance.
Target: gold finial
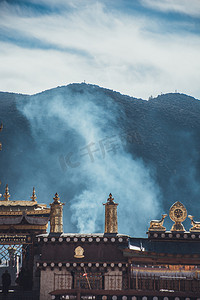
(6, 195)
(110, 199)
(56, 198)
(33, 197)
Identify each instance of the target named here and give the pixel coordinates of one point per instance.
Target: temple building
(108, 266)
(20, 222)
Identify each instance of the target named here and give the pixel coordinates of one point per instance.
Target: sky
(141, 48)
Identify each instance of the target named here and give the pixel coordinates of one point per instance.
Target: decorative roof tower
(111, 226)
(56, 215)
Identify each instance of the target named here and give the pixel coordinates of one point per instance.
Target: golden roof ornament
(79, 252)
(110, 199)
(178, 214)
(33, 197)
(195, 225)
(157, 225)
(56, 198)
(6, 194)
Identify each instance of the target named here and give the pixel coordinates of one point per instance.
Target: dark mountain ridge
(122, 136)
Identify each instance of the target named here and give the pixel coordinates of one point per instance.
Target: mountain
(84, 142)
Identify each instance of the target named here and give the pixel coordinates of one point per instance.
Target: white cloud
(191, 7)
(125, 53)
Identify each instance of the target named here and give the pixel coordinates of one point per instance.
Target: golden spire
(56, 198)
(33, 197)
(110, 199)
(6, 195)
(111, 216)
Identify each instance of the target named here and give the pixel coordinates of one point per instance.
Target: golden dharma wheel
(178, 214)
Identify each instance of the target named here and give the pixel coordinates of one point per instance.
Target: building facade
(165, 265)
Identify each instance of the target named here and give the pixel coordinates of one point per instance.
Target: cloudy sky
(137, 47)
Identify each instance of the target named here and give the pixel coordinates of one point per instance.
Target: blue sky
(137, 47)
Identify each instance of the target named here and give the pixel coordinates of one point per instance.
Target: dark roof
(33, 220)
(84, 235)
(165, 246)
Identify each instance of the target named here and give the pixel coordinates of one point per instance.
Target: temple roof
(23, 215)
(189, 246)
(15, 208)
(18, 203)
(29, 219)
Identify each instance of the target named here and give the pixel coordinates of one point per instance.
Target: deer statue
(195, 224)
(157, 225)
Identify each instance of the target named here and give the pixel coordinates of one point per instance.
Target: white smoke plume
(80, 145)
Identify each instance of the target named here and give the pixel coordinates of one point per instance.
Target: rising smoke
(80, 153)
